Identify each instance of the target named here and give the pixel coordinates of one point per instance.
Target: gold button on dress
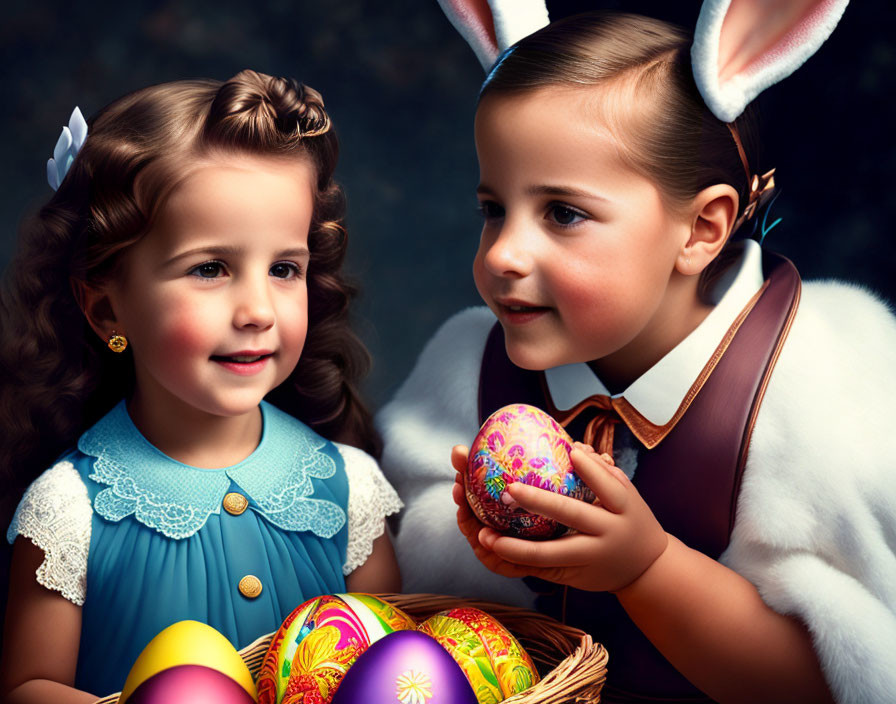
(250, 586)
(235, 503)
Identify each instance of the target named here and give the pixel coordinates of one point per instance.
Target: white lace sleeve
(55, 514)
(370, 499)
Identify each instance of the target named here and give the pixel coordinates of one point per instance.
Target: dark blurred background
(401, 84)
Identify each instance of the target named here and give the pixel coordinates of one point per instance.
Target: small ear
(490, 26)
(713, 215)
(741, 47)
(96, 305)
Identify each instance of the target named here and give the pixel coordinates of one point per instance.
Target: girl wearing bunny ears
(735, 422)
(187, 268)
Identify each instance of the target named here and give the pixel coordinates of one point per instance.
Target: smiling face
(213, 299)
(578, 251)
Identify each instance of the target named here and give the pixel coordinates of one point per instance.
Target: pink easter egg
(318, 642)
(190, 684)
(520, 443)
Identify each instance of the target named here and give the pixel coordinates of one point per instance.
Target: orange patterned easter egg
(494, 662)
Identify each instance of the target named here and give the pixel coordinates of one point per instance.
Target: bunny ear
(515, 19)
(490, 26)
(473, 19)
(741, 47)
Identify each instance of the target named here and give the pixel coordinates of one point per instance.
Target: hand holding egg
(520, 443)
(617, 538)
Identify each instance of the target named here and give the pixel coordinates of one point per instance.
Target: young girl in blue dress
(176, 326)
(737, 425)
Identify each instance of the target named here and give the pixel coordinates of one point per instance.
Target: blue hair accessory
(766, 230)
(67, 146)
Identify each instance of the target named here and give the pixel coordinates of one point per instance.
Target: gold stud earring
(117, 343)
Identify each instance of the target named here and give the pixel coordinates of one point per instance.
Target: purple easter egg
(190, 684)
(405, 667)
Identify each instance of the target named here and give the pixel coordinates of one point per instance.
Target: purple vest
(690, 480)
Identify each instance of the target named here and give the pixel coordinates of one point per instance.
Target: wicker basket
(574, 668)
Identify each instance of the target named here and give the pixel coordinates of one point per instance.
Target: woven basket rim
(578, 664)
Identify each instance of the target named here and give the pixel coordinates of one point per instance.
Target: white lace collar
(177, 499)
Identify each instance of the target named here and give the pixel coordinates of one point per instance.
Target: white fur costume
(816, 521)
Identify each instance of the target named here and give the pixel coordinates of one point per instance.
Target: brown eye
(208, 270)
(285, 270)
(563, 215)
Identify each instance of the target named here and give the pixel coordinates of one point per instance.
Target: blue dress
(163, 550)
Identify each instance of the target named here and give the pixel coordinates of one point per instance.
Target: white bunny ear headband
(741, 47)
(490, 26)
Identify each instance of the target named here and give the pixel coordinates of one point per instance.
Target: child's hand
(471, 527)
(618, 536)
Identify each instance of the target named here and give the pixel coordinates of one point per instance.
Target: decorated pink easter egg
(492, 659)
(520, 443)
(187, 643)
(318, 642)
(405, 667)
(190, 684)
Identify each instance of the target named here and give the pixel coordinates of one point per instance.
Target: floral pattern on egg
(520, 443)
(413, 687)
(318, 643)
(492, 659)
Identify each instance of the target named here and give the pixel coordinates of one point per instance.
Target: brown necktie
(600, 429)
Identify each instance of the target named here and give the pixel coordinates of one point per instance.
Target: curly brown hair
(58, 378)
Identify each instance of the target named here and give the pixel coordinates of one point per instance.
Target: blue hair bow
(67, 146)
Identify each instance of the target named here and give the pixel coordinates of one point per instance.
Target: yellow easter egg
(188, 643)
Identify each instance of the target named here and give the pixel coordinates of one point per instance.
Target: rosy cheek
(578, 296)
(292, 321)
(477, 268)
(292, 340)
(595, 306)
(184, 329)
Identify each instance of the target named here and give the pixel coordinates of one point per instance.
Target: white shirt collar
(659, 391)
